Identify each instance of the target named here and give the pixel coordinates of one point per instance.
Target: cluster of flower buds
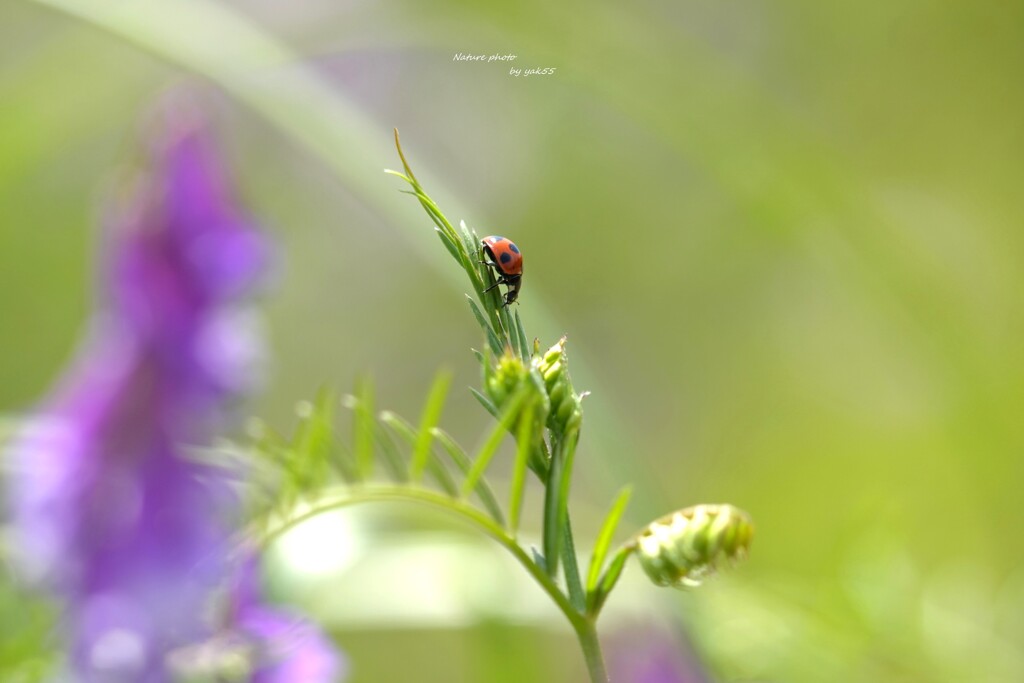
(683, 548)
(547, 375)
(509, 378)
(565, 415)
(505, 379)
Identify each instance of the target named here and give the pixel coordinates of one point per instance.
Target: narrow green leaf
(462, 461)
(483, 458)
(431, 416)
(524, 345)
(305, 461)
(552, 526)
(442, 476)
(313, 439)
(496, 346)
(485, 402)
(512, 337)
(363, 427)
(392, 454)
(471, 242)
(604, 537)
(565, 478)
(493, 299)
(556, 499)
(538, 559)
(442, 224)
(479, 356)
(434, 465)
(447, 241)
(506, 325)
(343, 463)
(399, 426)
(399, 174)
(405, 164)
(596, 598)
(524, 446)
(571, 567)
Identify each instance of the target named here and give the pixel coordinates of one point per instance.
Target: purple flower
(111, 508)
(648, 654)
(286, 648)
(258, 644)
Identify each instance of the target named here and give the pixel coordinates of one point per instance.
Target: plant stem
(591, 646)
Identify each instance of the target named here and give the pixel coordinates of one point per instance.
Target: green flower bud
(683, 548)
(509, 377)
(566, 415)
(505, 378)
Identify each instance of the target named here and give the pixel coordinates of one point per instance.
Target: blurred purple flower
(110, 508)
(258, 644)
(649, 654)
(287, 649)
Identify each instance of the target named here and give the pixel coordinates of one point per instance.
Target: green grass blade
(431, 416)
(524, 446)
(483, 458)
(604, 538)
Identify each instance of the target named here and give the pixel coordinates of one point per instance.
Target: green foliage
(28, 624)
(504, 331)
(531, 396)
(601, 547)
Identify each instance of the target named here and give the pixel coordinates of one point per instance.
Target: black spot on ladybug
(513, 247)
(505, 257)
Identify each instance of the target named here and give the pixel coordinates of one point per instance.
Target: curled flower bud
(566, 414)
(683, 548)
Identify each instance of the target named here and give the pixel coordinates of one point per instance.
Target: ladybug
(503, 255)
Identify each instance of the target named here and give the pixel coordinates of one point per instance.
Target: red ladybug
(503, 255)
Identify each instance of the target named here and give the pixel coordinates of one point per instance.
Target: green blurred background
(784, 239)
